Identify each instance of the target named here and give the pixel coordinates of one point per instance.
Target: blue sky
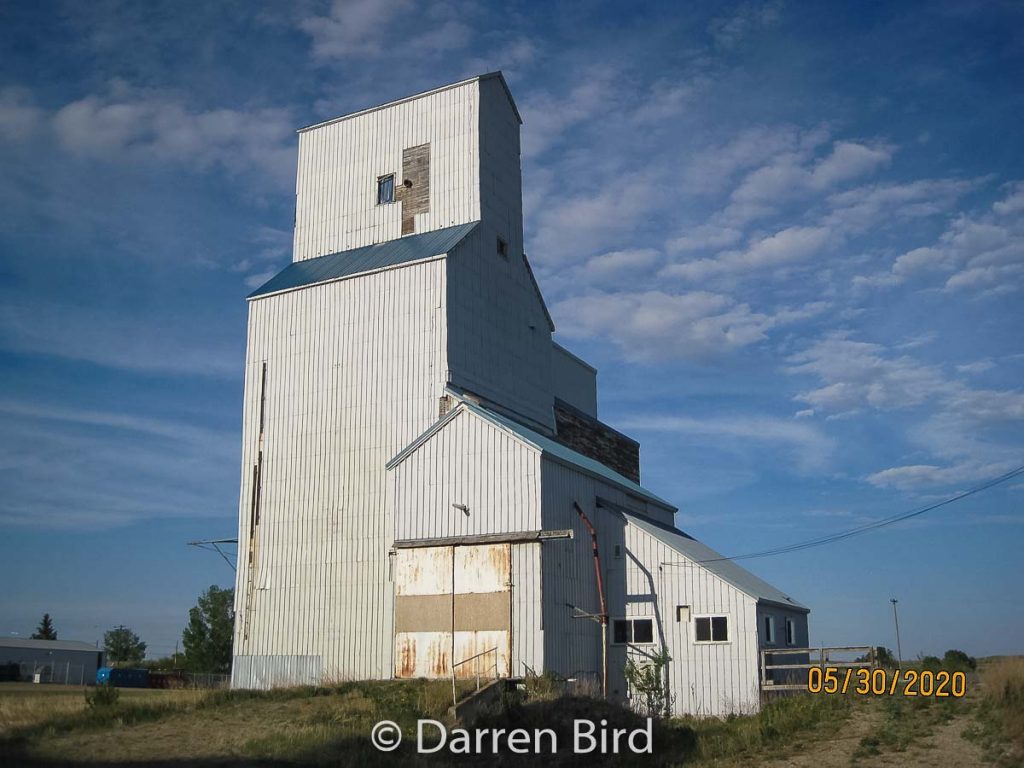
(790, 236)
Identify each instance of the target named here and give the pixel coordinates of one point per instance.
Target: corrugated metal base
(264, 672)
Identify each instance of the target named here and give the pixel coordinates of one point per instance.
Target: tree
(123, 646)
(883, 657)
(958, 660)
(45, 631)
(207, 638)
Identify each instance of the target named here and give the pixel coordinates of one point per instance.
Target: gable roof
(706, 557)
(546, 445)
(368, 258)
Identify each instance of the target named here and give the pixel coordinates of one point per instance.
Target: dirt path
(836, 750)
(942, 746)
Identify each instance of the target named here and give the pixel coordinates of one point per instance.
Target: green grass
(778, 727)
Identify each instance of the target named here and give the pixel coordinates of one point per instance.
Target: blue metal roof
(365, 259)
(706, 557)
(568, 455)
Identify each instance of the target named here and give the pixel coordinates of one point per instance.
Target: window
(632, 631)
(682, 613)
(790, 632)
(769, 629)
(712, 629)
(386, 189)
(502, 248)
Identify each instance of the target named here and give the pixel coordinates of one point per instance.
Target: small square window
(711, 629)
(386, 189)
(502, 248)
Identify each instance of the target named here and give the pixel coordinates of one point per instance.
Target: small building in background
(49, 661)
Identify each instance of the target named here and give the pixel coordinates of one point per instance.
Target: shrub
(101, 696)
(649, 683)
(958, 660)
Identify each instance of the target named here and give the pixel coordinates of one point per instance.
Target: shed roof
(546, 445)
(706, 557)
(368, 258)
(47, 645)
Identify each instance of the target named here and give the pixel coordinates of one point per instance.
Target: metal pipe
(603, 616)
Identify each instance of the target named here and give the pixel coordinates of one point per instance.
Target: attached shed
(494, 571)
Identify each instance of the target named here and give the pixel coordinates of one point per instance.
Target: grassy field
(52, 725)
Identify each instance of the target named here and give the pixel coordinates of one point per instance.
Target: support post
(603, 616)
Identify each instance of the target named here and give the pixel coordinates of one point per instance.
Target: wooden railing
(823, 660)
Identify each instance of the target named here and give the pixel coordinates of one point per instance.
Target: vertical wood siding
(499, 340)
(706, 678)
(470, 462)
(354, 372)
(339, 163)
(572, 381)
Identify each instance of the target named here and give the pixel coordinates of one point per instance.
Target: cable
(832, 538)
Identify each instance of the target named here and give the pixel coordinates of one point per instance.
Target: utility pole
(896, 618)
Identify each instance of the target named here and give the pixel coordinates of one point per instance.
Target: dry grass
(1000, 719)
(25, 705)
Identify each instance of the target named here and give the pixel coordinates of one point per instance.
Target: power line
(832, 538)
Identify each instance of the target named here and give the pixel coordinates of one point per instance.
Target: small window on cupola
(502, 248)
(386, 189)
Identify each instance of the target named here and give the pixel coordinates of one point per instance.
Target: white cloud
(705, 237)
(962, 429)
(807, 441)
(788, 246)
(352, 28)
(618, 263)
(145, 126)
(547, 116)
(654, 325)
(865, 207)
(1013, 203)
(858, 374)
(797, 174)
(913, 476)
(984, 251)
(747, 19)
(978, 366)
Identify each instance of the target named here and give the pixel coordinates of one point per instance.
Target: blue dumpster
(122, 678)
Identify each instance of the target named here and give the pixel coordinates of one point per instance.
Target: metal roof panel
(368, 258)
(706, 557)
